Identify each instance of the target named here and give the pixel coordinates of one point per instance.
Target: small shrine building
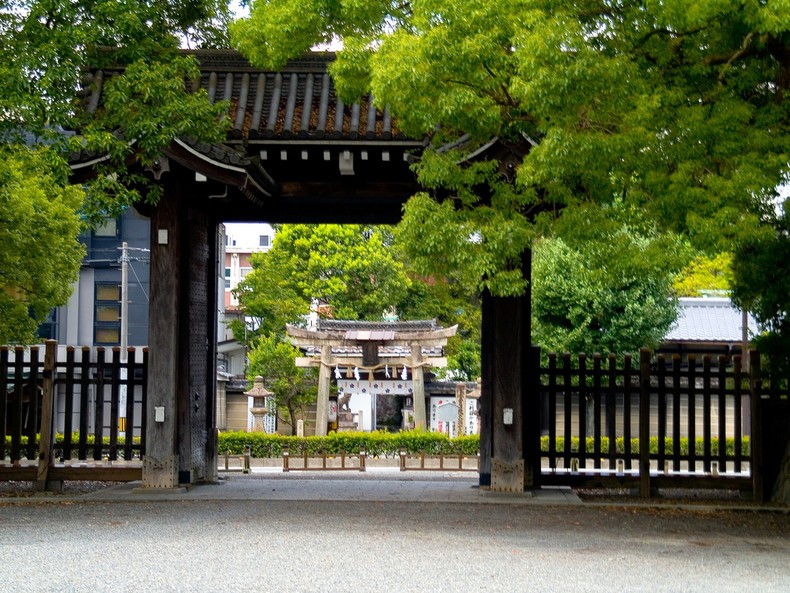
(377, 366)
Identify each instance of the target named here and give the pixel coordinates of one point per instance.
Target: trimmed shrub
(376, 444)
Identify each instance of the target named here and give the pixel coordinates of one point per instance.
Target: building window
(108, 228)
(227, 278)
(244, 272)
(107, 314)
(263, 240)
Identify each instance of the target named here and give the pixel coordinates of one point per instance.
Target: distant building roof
(421, 325)
(709, 319)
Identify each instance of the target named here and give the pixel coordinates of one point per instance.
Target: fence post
(755, 440)
(531, 412)
(644, 423)
(47, 414)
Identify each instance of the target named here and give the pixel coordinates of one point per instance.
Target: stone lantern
(259, 409)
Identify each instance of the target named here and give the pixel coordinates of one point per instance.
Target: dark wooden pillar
(509, 424)
(180, 436)
(160, 463)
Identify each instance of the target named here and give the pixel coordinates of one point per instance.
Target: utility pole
(124, 299)
(122, 392)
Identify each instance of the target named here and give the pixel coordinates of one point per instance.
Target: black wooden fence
(655, 423)
(705, 421)
(72, 413)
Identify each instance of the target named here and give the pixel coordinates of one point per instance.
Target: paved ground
(380, 531)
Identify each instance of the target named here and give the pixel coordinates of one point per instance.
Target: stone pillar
(418, 388)
(322, 401)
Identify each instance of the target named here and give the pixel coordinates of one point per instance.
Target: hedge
(90, 440)
(388, 444)
(376, 444)
(669, 446)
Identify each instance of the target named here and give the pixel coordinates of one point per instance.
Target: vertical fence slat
(706, 415)
(3, 398)
(16, 408)
(98, 429)
(85, 386)
(567, 416)
(755, 440)
(676, 428)
(115, 378)
(31, 423)
(597, 410)
(737, 405)
(644, 423)
(722, 372)
(611, 409)
(582, 391)
(144, 402)
(47, 432)
(627, 393)
(68, 416)
(128, 445)
(661, 367)
(552, 395)
(691, 412)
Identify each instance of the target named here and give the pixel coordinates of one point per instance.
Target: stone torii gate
(295, 154)
(370, 347)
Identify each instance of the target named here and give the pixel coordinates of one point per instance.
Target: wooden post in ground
(47, 413)
(755, 440)
(644, 423)
(531, 419)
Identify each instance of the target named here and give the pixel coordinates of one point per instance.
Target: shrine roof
(298, 102)
(423, 325)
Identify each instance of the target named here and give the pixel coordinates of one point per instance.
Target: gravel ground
(340, 546)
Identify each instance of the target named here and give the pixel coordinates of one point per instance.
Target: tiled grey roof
(346, 325)
(384, 351)
(709, 320)
(298, 102)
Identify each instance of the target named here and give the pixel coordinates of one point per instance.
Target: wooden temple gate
(295, 154)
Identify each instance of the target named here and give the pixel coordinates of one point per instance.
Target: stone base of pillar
(507, 477)
(160, 473)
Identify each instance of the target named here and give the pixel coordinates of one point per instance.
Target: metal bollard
(247, 454)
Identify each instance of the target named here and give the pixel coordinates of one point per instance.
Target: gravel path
(338, 546)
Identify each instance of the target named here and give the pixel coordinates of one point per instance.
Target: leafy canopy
(293, 387)
(680, 110)
(39, 253)
(355, 272)
(602, 282)
(46, 48)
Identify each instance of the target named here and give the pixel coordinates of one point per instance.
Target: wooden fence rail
(72, 407)
(72, 413)
(691, 422)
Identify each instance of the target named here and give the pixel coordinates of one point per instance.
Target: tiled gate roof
(298, 102)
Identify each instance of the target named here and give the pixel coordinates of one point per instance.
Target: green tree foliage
(293, 387)
(602, 283)
(351, 270)
(704, 275)
(762, 285)
(46, 48)
(355, 272)
(679, 109)
(39, 251)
